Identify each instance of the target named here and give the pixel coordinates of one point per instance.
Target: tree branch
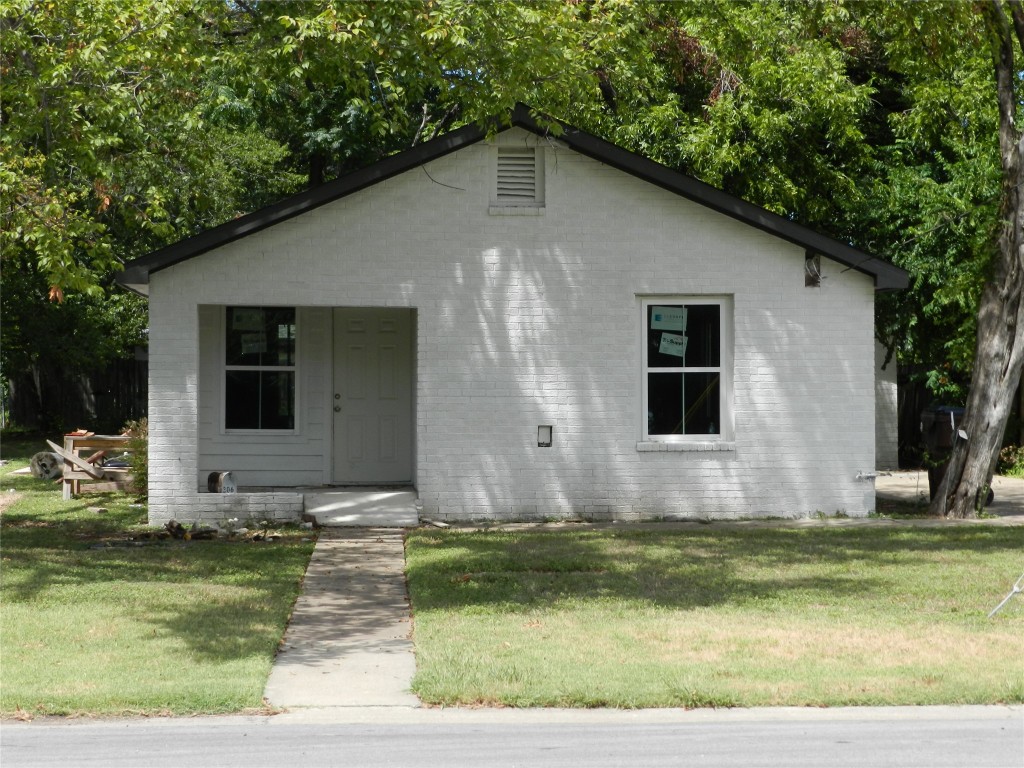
(423, 124)
(1017, 13)
(1002, 54)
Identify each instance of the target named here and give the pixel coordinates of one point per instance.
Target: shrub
(138, 456)
(1011, 461)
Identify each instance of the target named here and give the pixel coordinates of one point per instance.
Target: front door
(373, 364)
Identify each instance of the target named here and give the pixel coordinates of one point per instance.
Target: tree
(346, 83)
(126, 127)
(999, 353)
(113, 141)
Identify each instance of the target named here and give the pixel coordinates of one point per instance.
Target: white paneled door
(372, 400)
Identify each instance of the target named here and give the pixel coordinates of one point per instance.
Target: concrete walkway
(348, 643)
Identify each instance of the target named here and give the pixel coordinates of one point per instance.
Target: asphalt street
(990, 738)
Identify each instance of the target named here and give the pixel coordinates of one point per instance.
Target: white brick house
(435, 320)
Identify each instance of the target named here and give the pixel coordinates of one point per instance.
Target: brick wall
(528, 320)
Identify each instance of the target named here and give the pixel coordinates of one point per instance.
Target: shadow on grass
(223, 599)
(719, 566)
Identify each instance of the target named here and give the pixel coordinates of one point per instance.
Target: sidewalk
(348, 643)
(912, 486)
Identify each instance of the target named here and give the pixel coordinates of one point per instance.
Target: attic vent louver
(517, 176)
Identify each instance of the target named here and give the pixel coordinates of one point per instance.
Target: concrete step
(362, 508)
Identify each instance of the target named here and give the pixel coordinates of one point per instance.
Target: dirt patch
(7, 498)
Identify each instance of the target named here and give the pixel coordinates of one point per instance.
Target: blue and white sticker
(668, 319)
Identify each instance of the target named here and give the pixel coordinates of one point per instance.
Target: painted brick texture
(528, 320)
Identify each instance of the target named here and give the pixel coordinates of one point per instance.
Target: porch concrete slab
(348, 643)
(363, 508)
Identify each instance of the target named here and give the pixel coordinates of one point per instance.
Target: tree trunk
(1020, 412)
(999, 352)
(997, 369)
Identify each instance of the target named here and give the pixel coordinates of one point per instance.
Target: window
(259, 368)
(685, 384)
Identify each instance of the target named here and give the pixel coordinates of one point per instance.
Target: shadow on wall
(538, 336)
(534, 349)
(784, 398)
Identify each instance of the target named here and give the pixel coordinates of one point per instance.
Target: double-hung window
(685, 359)
(259, 370)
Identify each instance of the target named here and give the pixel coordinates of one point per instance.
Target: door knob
(337, 409)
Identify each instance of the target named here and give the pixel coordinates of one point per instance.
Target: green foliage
(81, 334)
(106, 150)
(138, 455)
(87, 110)
(781, 123)
(932, 204)
(1011, 461)
(127, 127)
(111, 145)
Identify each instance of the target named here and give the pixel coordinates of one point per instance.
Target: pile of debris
(199, 532)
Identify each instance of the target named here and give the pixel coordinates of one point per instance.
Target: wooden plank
(120, 485)
(78, 461)
(96, 457)
(96, 442)
(108, 472)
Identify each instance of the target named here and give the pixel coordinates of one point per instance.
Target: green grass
(90, 626)
(717, 616)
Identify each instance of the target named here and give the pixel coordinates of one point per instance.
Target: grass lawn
(90, 626)
(717, 616)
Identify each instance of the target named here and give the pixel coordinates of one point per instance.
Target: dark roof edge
(886, 276)
(136, 273)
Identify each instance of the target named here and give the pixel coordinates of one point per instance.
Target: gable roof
(886, 276)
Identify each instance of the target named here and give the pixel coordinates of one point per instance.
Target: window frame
(725, 435)
(225, 368)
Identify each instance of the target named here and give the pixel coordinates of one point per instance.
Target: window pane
(280, 334)
(246, 339)
(683, 404)
(277, 400)
(683, 335)
(260, 336)
(259, 400)
(242, 400)
(703, 349)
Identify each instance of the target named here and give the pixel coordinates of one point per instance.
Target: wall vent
(517, 176)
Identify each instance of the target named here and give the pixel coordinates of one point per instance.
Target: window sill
(516, 210)
(706, 446)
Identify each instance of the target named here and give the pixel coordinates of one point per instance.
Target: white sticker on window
(673, 344)
(253, 343)
(668, 319)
